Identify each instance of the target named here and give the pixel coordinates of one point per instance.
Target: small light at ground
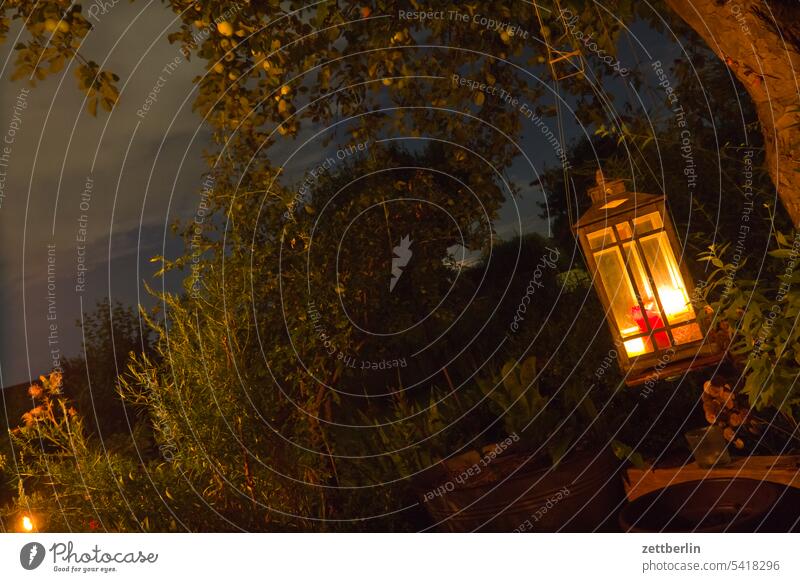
(27, 523)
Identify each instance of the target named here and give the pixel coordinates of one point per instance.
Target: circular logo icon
(31, 555)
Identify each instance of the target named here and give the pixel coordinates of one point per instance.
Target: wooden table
(782, 469)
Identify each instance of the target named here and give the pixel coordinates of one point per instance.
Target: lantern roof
(612, 199)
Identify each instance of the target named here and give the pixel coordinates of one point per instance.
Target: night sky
(141, 174)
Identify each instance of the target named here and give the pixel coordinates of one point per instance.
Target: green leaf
(624, 452)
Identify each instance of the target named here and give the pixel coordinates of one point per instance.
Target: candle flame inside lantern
(674, 301)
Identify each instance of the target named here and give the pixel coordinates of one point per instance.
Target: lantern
(631, 248)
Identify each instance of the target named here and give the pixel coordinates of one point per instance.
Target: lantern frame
(614, 220)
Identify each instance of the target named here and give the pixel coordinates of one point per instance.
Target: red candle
(655, 321)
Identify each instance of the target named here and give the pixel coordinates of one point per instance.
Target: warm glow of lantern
(635, 261)
(674, 301)
(635, 347)
(27, 523)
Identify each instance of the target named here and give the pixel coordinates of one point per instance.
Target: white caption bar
(398, 557)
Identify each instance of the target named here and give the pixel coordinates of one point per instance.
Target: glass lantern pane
(687, 334)
(639, 274)
(647, 223)
(624, 230)
(652, 318)
(667, 277)
(637, 346)
(619, 290)
(601, 238)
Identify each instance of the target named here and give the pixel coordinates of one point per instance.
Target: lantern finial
(599, 177)
(605, 188)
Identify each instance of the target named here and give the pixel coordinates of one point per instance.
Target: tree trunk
(759, 40)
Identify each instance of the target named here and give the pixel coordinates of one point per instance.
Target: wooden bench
(783, 469)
